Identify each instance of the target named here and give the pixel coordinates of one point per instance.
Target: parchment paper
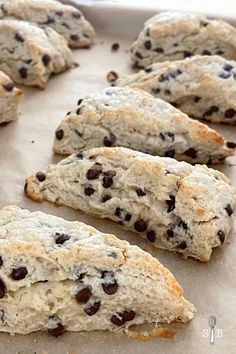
(26, 147)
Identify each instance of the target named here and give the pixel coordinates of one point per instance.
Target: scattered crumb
(115, 47)
(112, 76)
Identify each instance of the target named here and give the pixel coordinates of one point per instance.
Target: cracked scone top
(174, 205)
(122, 116)
(175, 35)
(10, 98)
(65, 19)
(30, 54)
(57, 275)
(203, 87)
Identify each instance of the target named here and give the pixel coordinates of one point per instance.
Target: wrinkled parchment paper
(26, 147)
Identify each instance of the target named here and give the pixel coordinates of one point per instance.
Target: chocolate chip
(170, 153)
(191, 152)
(167, 92)
(109, 284)
(107, 180)
(59, 134)
(40, 176)
(9, 86)
(23, 72)
(112, 76)
(155, 91)
(175, 73)
(229, 113)
(120, 318)
(128, 217)
(46, 59)
(1, 262)
(91, 310)
(219, 52)
(151, 236)
(118, 211)
(170, 203)
(61, 238)
(128, 315)
(221, 235)
(182, 245)
(94, 172)
(187, 54)
(109, 141)
(225, 74)
(89, 191)
(19, 38)
(140, 225)
(83, 295)
(197, 99)
(159, 50)
(115, 47)
(227, 67)
(80, 155)
(182, 224)
(50, 20)
(170, 233)
(167, 135)
(175, 104)
(76, 14)
(163, 77)
(147, 45)
(206, 52)
(80, 101)
(231, 144)
(148, 70)
(117, 320)
(74, 37)
(105, 198)
(175, 44)
(211, 110)
(19, 273)
(138, 55)
(140, 192)
(56, 331)
(2, 289)
(229, 209)
(59, 13)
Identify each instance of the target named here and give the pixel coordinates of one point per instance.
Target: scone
(122, 116)
(175, 35)
(174, 205)
(203, 87)
(64, 19)
(61, 276)
(10, 98)
(30, 54)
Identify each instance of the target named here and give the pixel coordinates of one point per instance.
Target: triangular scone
(57, 275)
(176, 35)
(203, 87)
(174, 205)
(30, 54)
(66, 20)
(10, 98)
(122, 116)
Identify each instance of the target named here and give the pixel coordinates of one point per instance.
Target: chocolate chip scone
(174, 35)
(10, 98)
(122, 116)
(57, 275)
(174, 205)
(65, 19)
(203, 87)
(30, 54)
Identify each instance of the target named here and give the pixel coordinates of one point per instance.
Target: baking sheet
(26, 147)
